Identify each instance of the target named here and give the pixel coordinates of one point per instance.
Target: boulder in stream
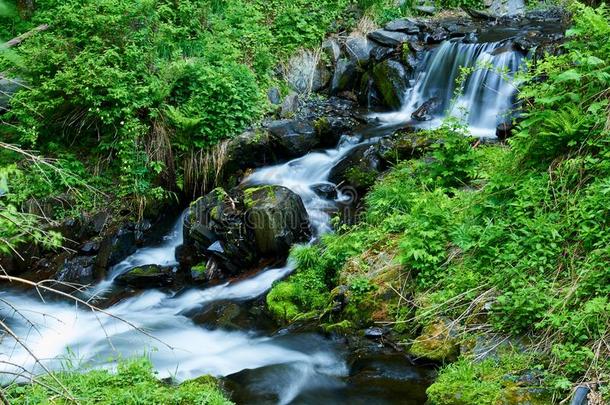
(391, 81)
(239, 228)
(147, 276)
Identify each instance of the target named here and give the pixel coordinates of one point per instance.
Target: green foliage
(486, 382)
(133, 383)
(515, 238)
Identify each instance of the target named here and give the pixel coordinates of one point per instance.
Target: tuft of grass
(133, 383)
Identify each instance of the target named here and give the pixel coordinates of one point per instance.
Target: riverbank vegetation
(134, 382)
(492, 255)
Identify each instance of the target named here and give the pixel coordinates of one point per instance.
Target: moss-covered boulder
(232, 231)
(391, 81)
(277, 218)
(437, 342)
(148, 276)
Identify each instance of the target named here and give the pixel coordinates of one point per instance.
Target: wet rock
(239, 228)
(409, 59)
(148, 276)
(403, 145)
(290, 105)
(274, 96)
(114, 248)
(427, 110)
(277, 218)
(437, 36)
(403, 25)
(379, 53)
(374, 333)
(358, 169)
(77, 270)
(504, 130)
(391, 39)
(250, 149)
(332, 49)
(90, 248)
(293, 137)
(470, 38)
(325, 190)
(346, 76)
(391, 81)
(358, 49)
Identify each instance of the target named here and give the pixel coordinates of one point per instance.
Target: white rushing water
(60, 331)
(487, 94)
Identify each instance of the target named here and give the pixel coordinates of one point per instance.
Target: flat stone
(388, 38)
(403, 25)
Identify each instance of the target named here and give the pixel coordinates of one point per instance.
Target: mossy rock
(147, 276)
(277, 218)
(391, 81)
(437, 342)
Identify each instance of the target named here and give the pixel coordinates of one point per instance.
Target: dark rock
(346, 76)
(325, 190)
(274, 96)
(237, 229)
(98, 222)
(391, 81)
(470, 38)
(148, 276)
(289, 105)
(504, 130)
(90, 248)
(77, 270)
(113, 249)
(389, 38)
(374, 333)
(332, 50)
(426, 111)
(358, 49)
(409, 59)
(437, 36)
(580, 396)
(416, 46)
(403, 145)
(359, 168)
(250, 149)
(379, 53)
(277, 218)
(403, 25)
(293, 137)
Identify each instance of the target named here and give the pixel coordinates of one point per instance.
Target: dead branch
(18, 40)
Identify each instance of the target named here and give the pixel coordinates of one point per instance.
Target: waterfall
(487, 93)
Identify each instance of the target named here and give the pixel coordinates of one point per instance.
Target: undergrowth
(501, 240)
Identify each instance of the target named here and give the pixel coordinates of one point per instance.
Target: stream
(262, 365)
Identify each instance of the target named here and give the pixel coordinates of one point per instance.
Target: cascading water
(487, 94)
(180, 347)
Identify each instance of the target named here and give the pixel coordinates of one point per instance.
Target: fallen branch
(18, 40)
